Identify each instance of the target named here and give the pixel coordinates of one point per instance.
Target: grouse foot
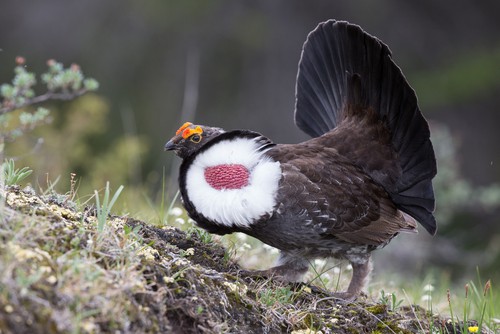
(289, 268)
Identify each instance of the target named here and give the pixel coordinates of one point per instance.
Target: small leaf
(90, 84)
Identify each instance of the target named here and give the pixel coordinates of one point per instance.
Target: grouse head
(190, 138)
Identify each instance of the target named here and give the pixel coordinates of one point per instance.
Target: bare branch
(42, 98)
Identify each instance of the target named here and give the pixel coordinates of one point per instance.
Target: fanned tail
(341, 65)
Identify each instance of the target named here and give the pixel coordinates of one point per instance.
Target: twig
(45, 97)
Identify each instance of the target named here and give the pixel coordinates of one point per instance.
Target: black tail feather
(338, 56)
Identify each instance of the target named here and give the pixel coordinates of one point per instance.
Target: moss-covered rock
(58, 274)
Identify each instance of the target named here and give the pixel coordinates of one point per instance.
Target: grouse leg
(289, 268)
(361, 269)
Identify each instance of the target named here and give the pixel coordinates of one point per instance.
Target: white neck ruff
(240, 207)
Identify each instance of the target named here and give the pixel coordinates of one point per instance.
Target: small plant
(270, 297)
(390, 300)
(166, 212)
(483, 300)
(451, 311)
(104, 209)
(320, 271)
(165, 215)
(203, 235)
(230, 252)
(132, 232)
(11, 175)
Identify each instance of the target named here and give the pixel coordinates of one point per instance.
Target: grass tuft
(11, 175)
(104, 208)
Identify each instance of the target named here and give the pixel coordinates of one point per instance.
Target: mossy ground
(58, 274)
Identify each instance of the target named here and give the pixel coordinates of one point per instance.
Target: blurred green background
(233, 64)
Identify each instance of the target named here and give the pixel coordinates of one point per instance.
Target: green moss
(392, 327)
(310, 321)
(377, 309)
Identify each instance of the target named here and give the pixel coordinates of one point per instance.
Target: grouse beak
(170, 146)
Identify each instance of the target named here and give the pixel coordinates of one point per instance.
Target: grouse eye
(195, 138)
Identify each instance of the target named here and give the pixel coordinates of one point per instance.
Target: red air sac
(227, 176)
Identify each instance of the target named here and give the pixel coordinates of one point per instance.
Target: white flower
(429, 287)
(426, 298)
(179, 221)
(319, 262)
(176, 211)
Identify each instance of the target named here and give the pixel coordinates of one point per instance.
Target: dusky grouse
(365, 176)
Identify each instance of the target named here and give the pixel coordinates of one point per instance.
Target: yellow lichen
(306, 331)
(117, 222)
(306, 289)
(63, 212)
(20, 200)
(52, 279)
(232, 287)
(236, 287)
(89, 326)
(181, 262)
(149, 253)
(168, 279)
(27, 254)
(45, 269)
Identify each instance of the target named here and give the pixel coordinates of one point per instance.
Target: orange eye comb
(188, 132)
(184, 126)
